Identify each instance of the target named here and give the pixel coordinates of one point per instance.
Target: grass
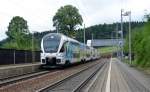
(104, 50)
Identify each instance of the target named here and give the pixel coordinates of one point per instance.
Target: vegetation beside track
(20, 37)
(107, 52)
(140, 39)
(104, 50)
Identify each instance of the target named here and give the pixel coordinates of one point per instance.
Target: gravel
(36, 83)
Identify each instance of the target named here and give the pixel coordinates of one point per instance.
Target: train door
(75, 51)
(68, 52)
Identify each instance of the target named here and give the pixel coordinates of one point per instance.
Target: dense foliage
(67, 19)
(104, 31)
(17, 27)
(18, 35)
(140, 45)
(101, 31)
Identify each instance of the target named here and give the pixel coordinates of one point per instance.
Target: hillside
(101, 31)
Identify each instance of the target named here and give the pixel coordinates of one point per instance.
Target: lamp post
(57, 28)
(114, 37)
(122, 34)
(92, 44)
(128, 13)
(92, 40)
(112, 42)
(84, 34)
(14, 54)
(33, 54)
(117, 31)
(130, 52)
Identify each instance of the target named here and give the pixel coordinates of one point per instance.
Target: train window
(74, 45)
(63, 47)
(51, 43)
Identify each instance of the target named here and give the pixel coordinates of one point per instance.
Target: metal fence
(12, 56)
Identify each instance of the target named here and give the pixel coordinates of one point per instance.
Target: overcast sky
(39, 13)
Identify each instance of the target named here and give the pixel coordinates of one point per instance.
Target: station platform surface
(12, 70)
(18, 65)
(117, 76)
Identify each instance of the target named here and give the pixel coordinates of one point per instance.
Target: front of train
(52, 51)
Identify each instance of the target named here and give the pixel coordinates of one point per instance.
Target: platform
(120, 77)
(18, 69)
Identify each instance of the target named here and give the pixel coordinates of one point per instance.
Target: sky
(39, 13)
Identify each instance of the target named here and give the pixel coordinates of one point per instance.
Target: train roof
(62, 36)
(67, 38)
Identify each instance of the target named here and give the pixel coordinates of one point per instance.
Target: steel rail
(48, 88)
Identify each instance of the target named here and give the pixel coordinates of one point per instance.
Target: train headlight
(58, 60)
(60, 55)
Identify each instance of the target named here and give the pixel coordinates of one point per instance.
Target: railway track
(75, 82)
(45, 80)
(15, 79)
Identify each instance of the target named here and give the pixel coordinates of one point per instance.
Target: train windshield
(51, 43)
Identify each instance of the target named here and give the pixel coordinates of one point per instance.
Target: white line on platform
(108, 78)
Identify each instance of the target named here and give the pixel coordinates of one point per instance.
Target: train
(60, 50)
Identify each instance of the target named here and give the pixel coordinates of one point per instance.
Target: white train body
(58, 49)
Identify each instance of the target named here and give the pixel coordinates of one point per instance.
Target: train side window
(63, 47)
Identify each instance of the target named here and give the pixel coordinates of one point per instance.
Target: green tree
(17, 28)
(141, 45)
(18, 34)
(67, 19)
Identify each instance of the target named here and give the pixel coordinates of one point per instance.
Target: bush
(140, 45)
